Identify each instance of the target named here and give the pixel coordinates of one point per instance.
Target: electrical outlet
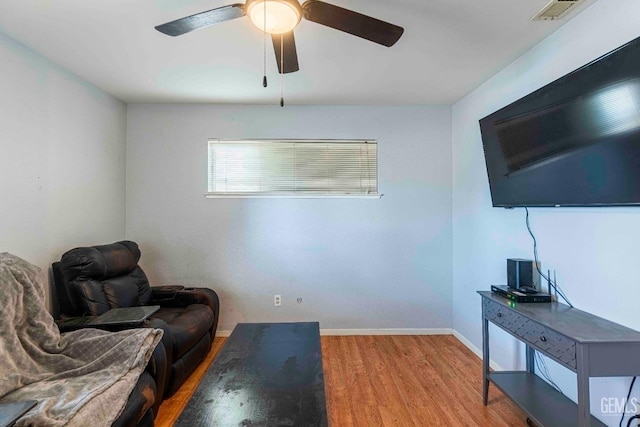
(277, 300)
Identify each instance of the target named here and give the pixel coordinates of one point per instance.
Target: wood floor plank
(385, 389)
(391, 381)
(338, 401)
(419, 384)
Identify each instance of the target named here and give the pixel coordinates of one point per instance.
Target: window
(297, 168)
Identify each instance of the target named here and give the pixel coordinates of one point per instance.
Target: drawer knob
(543, 338)
(499, 314)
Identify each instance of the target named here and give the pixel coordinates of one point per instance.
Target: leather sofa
(68, 375)
(91, 280)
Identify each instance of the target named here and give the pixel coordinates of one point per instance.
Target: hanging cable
(625, 404)
(282, 70)
(264, 47)
(541, 367)
(553, 283)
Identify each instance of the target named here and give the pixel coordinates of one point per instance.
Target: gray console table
(586, 344)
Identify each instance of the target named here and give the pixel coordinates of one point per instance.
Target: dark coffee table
(267, 374)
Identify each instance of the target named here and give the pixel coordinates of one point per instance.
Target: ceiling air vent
(556, 9)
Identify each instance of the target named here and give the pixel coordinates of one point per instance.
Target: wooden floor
(430, 380)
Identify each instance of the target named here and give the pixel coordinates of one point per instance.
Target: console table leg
(485, 359)
(530, 355)
(584, 411)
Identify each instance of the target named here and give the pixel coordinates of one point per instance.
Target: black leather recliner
(91, 280)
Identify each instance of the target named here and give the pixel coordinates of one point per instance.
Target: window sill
(289, 196)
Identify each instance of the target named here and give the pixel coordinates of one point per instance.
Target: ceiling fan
(280, 17)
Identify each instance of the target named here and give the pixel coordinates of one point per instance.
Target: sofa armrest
(68, 324)
(179, 296)
(145, 399)
(158, 369)
(162, 293)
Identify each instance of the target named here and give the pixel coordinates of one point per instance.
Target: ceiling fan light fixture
(282, 16)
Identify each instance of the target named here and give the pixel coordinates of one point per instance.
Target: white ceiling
(449, 47)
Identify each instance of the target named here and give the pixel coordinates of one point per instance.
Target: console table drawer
(555, 345)
(532, 333)
(500, 315)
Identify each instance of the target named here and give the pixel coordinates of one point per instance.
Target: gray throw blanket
(80, 378)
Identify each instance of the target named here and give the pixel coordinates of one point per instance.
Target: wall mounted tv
(574, 142)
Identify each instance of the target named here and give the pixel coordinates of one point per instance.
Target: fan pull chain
(264, 47)
(281, 70)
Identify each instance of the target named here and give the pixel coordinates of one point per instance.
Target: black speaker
(522, 272)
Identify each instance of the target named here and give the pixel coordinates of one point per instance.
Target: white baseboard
(349, 332)
(478, 352)
(468, 343)
(409, 331)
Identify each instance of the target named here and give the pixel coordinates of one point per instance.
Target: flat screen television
(574, 142)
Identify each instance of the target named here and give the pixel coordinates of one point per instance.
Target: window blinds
(286, 167)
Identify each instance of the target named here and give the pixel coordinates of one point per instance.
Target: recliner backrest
(99, 278)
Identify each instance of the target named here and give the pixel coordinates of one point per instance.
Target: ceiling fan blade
(352, 22)
(289, 51)
(202, 20)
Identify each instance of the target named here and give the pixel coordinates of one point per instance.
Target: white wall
(357, 264)
(62, 159)
(594, 251)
